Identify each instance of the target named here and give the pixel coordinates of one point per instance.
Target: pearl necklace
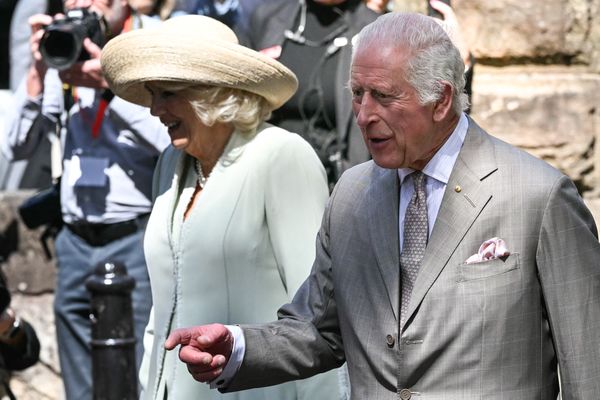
(201, 178)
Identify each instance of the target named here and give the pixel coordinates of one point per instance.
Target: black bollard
(113, 342)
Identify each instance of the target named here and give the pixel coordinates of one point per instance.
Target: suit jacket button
(389, 339)
(405, 394)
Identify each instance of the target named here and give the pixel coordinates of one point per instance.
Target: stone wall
(536, 85)
(537, 82)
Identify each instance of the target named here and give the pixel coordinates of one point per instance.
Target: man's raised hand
(205, 349)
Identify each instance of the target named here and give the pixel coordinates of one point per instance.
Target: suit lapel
(383, 214)
(459, 209)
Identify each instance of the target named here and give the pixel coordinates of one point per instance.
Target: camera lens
(60, 49)
(62, 43)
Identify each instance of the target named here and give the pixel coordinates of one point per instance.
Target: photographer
(109, 149)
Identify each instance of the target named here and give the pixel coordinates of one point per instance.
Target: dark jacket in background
(267, 28)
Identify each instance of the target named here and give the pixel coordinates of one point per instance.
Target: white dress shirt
(437, 172)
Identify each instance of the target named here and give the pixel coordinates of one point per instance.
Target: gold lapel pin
(457, 188)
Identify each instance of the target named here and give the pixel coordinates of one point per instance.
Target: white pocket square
(489, 250)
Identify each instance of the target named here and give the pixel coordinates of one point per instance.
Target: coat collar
(231, 154)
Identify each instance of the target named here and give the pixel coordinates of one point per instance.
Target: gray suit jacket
(493, 330)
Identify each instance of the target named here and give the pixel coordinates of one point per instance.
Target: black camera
(43, 208)
(62, 43)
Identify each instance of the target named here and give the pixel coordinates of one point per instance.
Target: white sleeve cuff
(237, 356)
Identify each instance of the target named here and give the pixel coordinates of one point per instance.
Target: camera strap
(107, 95)
(70, 93)
(105, 98)
(128, 25)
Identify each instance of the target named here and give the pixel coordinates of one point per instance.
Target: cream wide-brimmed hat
(191, 49)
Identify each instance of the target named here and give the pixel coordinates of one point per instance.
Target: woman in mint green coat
(237, 202)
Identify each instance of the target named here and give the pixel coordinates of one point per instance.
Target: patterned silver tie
(415, 241)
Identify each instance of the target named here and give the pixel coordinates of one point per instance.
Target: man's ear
(444, 105)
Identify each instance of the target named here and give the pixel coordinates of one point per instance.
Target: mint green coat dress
(246, 247)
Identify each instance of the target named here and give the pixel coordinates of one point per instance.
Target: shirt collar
(440, 166)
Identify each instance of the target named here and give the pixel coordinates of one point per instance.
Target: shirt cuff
(235, 360)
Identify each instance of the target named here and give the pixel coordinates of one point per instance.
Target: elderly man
(109, 153)
(452, 266)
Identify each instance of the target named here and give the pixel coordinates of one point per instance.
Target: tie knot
(418, 180)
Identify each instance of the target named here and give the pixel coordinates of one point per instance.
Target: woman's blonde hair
(244, 110)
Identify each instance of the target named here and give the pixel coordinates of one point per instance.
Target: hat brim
(146, 55)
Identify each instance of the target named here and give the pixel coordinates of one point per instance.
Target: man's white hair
(433, 59)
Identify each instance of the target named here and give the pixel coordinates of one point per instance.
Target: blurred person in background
(233, 13)
(109, 150)
(161, 9)
(313, 39)
(34, 173)
(237, 201)
(226, 11)
(15, 59)
(19, 344)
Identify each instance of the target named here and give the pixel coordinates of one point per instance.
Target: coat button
(405, 394)
(389, 339)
